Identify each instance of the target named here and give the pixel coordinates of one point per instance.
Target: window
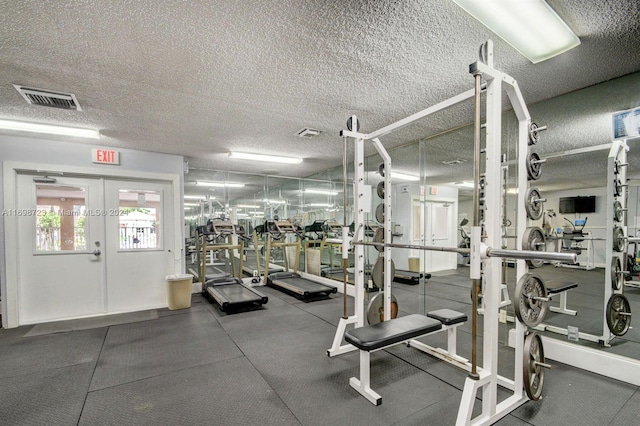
(60, 218)
(139, 219)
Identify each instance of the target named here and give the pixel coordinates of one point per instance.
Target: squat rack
(485, 261)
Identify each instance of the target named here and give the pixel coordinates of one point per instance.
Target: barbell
(485, 251)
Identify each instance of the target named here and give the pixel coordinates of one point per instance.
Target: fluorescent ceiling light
(404, 176)
(273, 201)
(267, 158)
(320, 191)
(531, 27)
(320, 205)
(464, 184)
(197, 197)
(220, 184)
(191, 204)
(248, 206)
(49, 129)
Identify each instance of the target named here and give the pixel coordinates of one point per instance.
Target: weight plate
(534, 239)
(533, 207)
(617, 211)
(381, 169)
(377, 273)
(617, 279)
(350, 124)
(529, 307)
(375, 309)
(534, 167)
(378, 237)
(533, 372)
(617, 166)
(534, 134)
(618, 314)
(618, 239)
(380, 213)
(380, 189)
(617, 188)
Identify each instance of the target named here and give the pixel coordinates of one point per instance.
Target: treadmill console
(284, 226)
(223, 228)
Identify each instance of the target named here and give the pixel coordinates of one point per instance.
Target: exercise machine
(213, 240)
(252, 265)
(229, 292)
(485, 253)
(291, 281)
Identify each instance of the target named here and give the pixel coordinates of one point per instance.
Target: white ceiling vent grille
(307, 132)
(48, 98)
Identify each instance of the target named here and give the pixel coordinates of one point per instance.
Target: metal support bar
(489, 252)
(424, 113)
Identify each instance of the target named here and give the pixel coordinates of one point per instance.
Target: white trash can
(179, 291)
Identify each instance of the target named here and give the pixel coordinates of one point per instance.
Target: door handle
(96, 253)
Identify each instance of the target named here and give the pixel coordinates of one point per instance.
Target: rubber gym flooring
(268, 366)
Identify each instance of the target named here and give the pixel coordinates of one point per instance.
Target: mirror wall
(429, 210)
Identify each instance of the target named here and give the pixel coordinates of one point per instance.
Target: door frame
(10, 172)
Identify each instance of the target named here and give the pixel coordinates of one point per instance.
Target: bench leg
(363, 385)
(562, 309)
(451, 341)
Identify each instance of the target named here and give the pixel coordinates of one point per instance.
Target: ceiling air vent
(48, 98)
(307, 132)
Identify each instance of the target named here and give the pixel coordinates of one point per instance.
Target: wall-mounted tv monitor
(578, 204)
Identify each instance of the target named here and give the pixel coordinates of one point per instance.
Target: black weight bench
(562, 291)
(388, 333)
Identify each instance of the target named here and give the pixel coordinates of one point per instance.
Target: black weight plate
(375, 309)
(381, 169)
(534, 134)
(350, 124)
(617, 188)
(534, 169)
(618, 314)
(533, 208)
(533, 373)
(618, 239)
(380, 189)
(529, 310)
(617, 279)
(617, 211)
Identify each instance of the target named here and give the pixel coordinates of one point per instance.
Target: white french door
(139, 244)
(60, 262)
(90, 246)
(432, 224)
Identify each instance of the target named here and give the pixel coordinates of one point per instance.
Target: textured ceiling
(201, 78)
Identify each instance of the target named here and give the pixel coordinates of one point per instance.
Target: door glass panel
(140, 219)
(441, 227)
(60, 218)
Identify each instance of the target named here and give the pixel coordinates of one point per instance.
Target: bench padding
(388, 333)
(447, 316)
(560, 289)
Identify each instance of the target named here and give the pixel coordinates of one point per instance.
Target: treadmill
(304, 288)
(292, 282)
(230, 293)
(250, 266)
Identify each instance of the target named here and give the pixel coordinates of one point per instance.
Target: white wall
(61, 153)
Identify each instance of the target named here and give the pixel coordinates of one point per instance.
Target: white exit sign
(106, 156)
